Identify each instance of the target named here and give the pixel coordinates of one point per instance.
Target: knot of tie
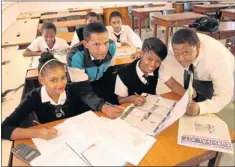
(147, 78)
(118, 37)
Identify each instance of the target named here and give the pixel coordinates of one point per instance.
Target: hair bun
(46, 56)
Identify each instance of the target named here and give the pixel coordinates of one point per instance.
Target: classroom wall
(9, 14)
(57, 6)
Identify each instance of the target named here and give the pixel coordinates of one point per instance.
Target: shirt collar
(92, 58)
(122, 30)
(140, 72)
(46, 98)
(47, 47)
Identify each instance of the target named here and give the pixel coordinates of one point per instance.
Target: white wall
(9, 14)
(57, 6)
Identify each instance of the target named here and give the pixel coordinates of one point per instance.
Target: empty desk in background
(31, 15)
(62, 15)
(20, 32)
(67, 24)
(228, 13)
(67, 36)
(174, 20)
(143, 13)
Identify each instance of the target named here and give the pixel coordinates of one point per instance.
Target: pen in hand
(38, 123)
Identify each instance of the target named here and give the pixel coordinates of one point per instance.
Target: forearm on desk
(23, 133)
(123, 100)
(29, 53)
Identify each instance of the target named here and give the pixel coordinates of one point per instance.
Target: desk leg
(132, 22)
(140, 27)
(166, 36)
(155, 30)
(216, 160)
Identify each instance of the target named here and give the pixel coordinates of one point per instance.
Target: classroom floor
(173, 68)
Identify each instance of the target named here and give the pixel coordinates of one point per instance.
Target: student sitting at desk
(78, 34)
(94, 53)
(122, 34)
(55, 100)
(47, 42)
(141, 76)
(212, 66)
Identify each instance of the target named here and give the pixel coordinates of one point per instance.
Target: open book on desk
(157, 113)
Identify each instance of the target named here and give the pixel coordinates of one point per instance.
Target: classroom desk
(20, 32)
(165, 152)
(62, 15)
(68, 24)
(204, 9)
(67, 36)
(228, 13)
(30, 15)
(174, 20)
(79, 10)
(179, 6)
(11, 78)
(143, 14)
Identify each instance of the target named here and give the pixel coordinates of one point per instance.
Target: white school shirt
(46, 98)
(215, 63)
(75, 39)
(39, 44)
(122, 90)
(127, 35)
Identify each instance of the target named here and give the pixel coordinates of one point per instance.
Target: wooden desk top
(228, 10)
(209, 6)
(61, 15)
(151, 9)
(165, 152)
(20, 32)
(72, 23)
(67, 36)
(79, 9)
(179, 16)
(114, 6)
(31, 15)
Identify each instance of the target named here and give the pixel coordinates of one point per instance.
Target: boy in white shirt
(213, 67)
(48, 42)
(122, 34)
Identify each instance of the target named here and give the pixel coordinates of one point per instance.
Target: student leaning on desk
(212, 66)
(142, 75)
(47, 42)
(55, 100)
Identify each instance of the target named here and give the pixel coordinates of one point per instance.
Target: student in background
(212, 65)
(122, 34)
(55, 100)
(94, 53)
(141, 76)
(47, 42)
(78, 34)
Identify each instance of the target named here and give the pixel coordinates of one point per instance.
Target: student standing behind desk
(47, 42)
(142, 75)
(122, 33)
(212, 65)
(55, 100)
(78, 34)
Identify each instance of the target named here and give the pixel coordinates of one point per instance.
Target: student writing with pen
(141, 76)
(55, 100)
